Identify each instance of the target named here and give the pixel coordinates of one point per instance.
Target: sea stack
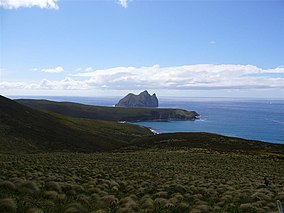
(144, 99)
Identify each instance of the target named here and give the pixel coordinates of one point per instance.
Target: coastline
(245, 118)
(154, 131)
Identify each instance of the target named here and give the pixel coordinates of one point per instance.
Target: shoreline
(154, 131)
(222, 134)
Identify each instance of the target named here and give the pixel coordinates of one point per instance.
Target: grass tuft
(52, 185)
(29, 187)
(52, 195)
(35, 210)
(8, 185)
(110, 200)
(75, 208)
(8, 205)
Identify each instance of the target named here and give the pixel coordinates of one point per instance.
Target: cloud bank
(188, 77)
(123, 3)
(14, 4)
(200, 76)
(65, 84)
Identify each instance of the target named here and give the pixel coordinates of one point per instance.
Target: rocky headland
(144, 99)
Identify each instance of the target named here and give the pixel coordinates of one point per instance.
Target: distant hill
(109, 113)
(204, 140)
(144, 99)
(25, 130)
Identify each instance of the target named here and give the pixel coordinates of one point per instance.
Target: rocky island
(144, 99)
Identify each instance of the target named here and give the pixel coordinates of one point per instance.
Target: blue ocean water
(250, 119)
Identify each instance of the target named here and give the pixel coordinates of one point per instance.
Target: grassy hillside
(25, 130)
(109, 113)
(156, 181)
(208, 141)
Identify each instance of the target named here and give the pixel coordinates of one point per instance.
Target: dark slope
(25, 130)
(208, 141)
(109, 113)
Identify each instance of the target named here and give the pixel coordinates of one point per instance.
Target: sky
(189, 48)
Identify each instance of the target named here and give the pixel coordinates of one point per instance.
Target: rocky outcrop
(144, 99)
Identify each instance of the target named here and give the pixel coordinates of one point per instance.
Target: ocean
(251, 119)
(255, 119)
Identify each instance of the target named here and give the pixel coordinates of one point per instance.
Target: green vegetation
(25, 130)
(209, 141)
(154, 180)
(109, 113)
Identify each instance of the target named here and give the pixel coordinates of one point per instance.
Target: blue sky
(97, 48)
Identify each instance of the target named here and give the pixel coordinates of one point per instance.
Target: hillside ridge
(26, 130)
(110, 113)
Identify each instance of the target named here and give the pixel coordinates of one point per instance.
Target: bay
(250, 119)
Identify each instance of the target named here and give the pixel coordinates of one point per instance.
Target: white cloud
(65, 84)
(279, 69)
(4, 85)
(200, 76)
(188, 77)
(89, 69)
(123, 3)
(14, 4)
(48, 4)
(53, 70)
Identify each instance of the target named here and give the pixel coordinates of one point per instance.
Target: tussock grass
(161, 202)
(52, 185)
(29, 187)
(52, 195)
(195, 211)
(100, 211)
(110, 200)
(247, 207)
(35, 210)
(161, 194)
(8, 205)
(147, 204)
(152, 181)
(8, 185)
(204, 208)
(75, 208)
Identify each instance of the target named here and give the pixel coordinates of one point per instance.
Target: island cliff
(144, 99)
